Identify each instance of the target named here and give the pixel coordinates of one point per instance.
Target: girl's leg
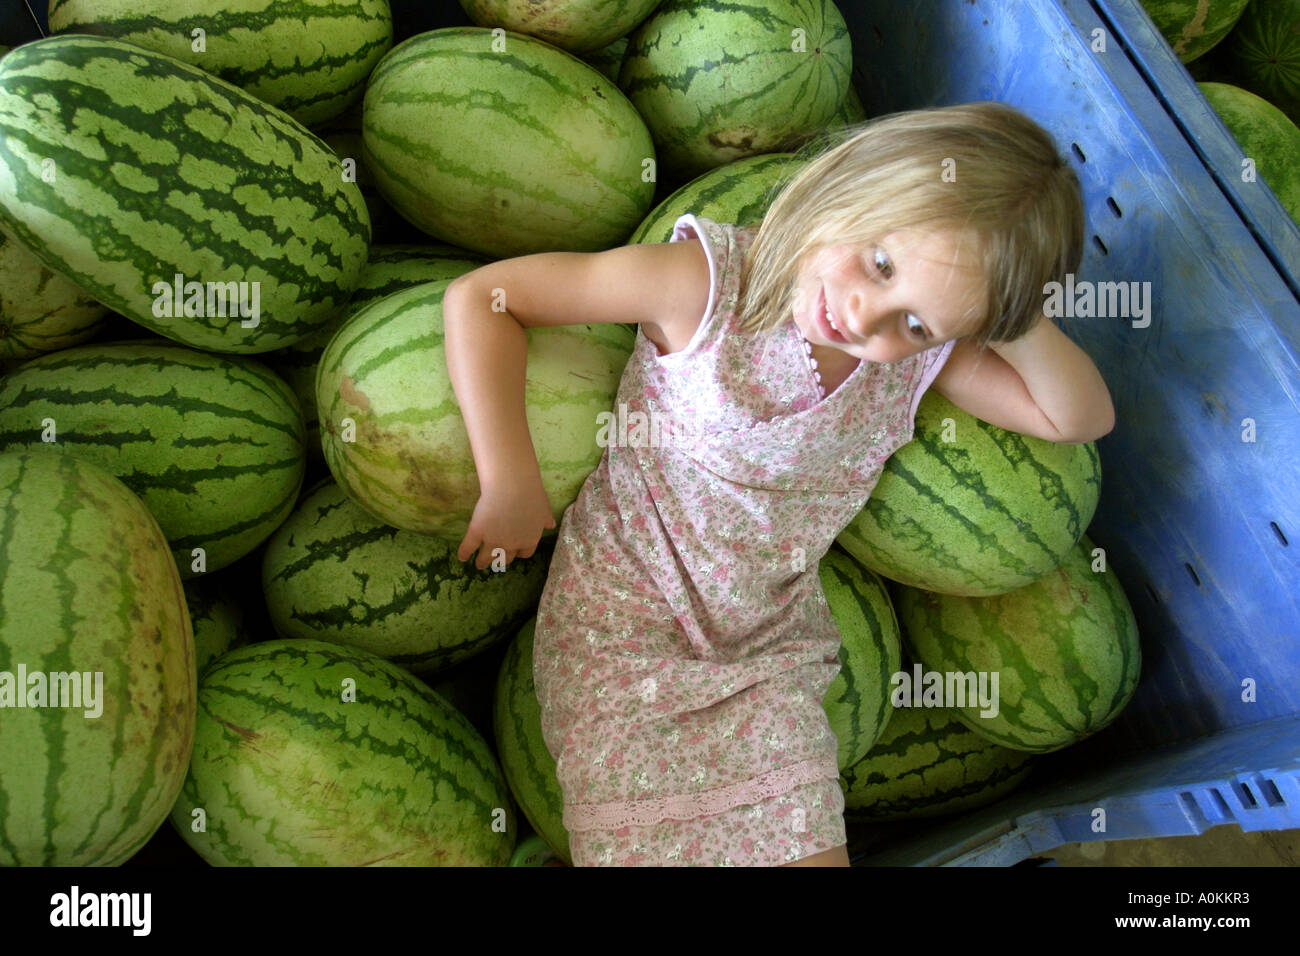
(839, 856)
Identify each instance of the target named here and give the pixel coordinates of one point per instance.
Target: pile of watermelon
(1245, 57)
(233, 473)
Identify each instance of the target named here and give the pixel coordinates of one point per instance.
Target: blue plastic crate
(1201, 526)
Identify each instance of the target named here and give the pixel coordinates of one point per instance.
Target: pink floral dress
(683, 643)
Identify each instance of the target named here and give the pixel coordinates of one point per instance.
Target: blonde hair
(1010, 190)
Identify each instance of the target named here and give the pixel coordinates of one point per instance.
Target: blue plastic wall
(1200, 501)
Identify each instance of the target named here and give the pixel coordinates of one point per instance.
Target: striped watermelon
(738, 193)
(528, 765)
(310, 754)
(1266, 135)
(332, 572)
(197, 179)
(40, 311)
(1065, 649)
(969, 508)
(1193, 27)
(505, 145)
(718, 80)
(310, 58)
(575, 25)
(212, 444)
(389, 269)
(608, 59)
(857, 702)
(409, 462)
(851, 111)
(217, 617)
(927, 764)
(88, 586)
(1264, 53)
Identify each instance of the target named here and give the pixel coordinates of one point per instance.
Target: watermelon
(310, 58)
(718, 80)
(737, 193)
(1194, 27)
(389, 269)
(310, 754)
(857, 702)
(217, 617)
(506, 145)
(1266, 136)
(927, 764)
(1264, 51)
(162, 171)
(529, 767)
(983, 512)
(88, 587)
(391, 428)
(575, 25)
(213, 445)
(608, 59)
(332, 572)
(1065, 650)
(851, 111)
(40, 311)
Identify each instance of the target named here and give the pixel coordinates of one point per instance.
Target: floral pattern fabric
(683, 642)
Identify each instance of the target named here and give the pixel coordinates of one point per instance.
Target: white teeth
(831, 321)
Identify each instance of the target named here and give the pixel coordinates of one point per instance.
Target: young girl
(683, 643)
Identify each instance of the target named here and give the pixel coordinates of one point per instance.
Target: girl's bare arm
(485, 315)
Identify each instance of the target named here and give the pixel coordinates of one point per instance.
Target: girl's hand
(511, 517)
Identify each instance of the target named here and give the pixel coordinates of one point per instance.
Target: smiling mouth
(828, 322)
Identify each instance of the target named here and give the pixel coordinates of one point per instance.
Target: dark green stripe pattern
(857, 702)
(121, 168)
(718, 80)
(738, 193)
(334, 573)
(1065, 649)
(926, 765)
(213, 445)
(309, 58)
(529, 767)
(968, 508)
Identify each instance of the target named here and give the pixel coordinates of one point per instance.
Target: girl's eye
(918, 330)
(883, 265)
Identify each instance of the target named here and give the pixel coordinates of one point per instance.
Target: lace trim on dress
(774, 783)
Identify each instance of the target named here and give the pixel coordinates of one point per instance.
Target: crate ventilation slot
(1114, 207)
(1278, 531)
(1195, 577)
(1096, 241)
(1078, 152)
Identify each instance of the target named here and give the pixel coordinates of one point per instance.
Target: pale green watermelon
(310, 754)
(506, 145)
(87, 587)
(1266, 136)
(574, 25)
(391, 427)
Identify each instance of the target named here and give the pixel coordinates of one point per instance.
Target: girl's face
(908, 292)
